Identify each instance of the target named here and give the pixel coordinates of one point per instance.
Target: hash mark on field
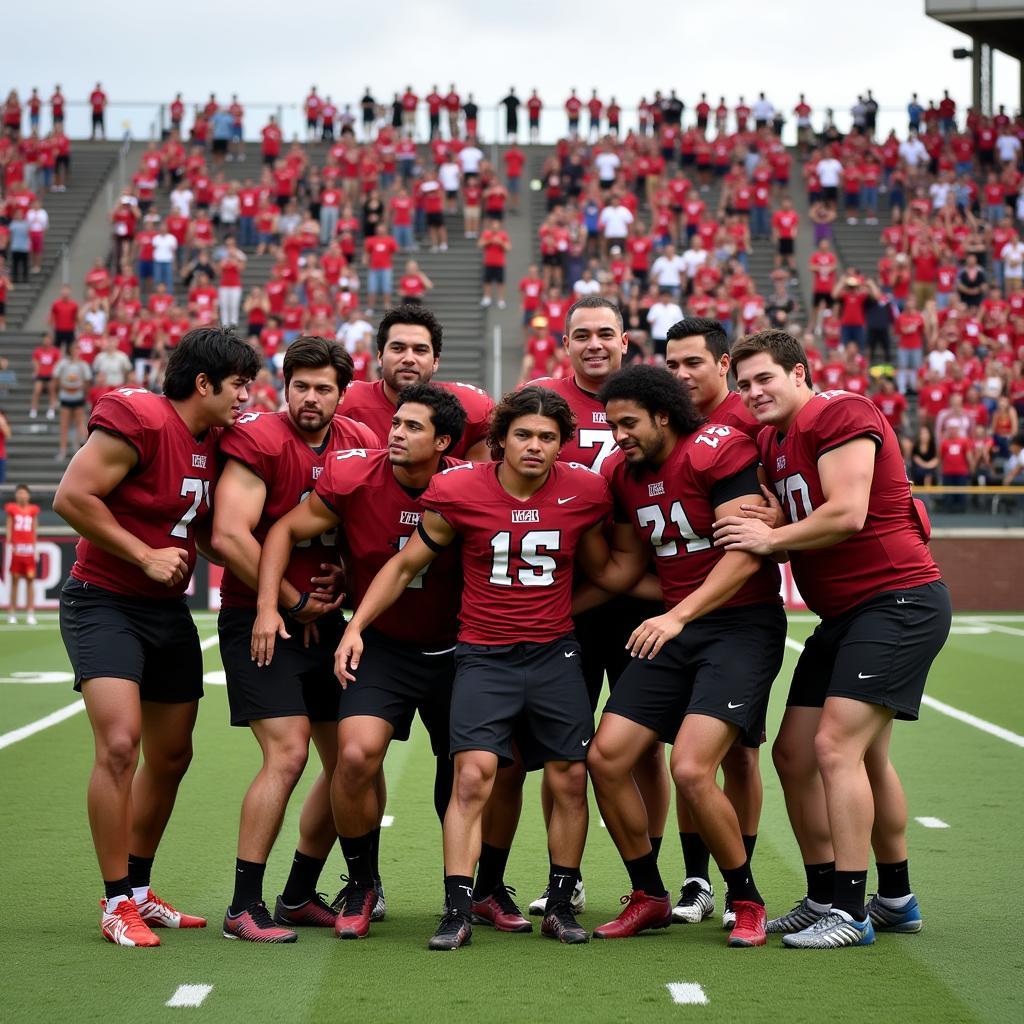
(687, 992)
(40, 724)
(1008, 630)
(189, 995)
(931, 822)
(387, 820)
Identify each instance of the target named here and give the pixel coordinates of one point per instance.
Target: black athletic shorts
(532, 695)
(787, 246)
(878, 652)
(154, 643)
(435, 220)
(602, 633)
(494, 275)
(394, 681)
(299, 681)
(722, 666)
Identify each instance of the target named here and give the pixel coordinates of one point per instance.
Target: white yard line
(1008, 630)
(687, 993)
(387, 820)
(928, 822)
(947, 709)
(189, 995)
(62, 714)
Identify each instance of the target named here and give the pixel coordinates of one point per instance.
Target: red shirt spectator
(380, 251)
(494, 243)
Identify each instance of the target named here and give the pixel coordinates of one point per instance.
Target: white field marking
(687, 992)
(387, 820)
(1009, 630)
(189, 995)
(38, 678)
(947, 709)
(60, 715)
(931, 822)
(40, 724)
(206, 644)
(969, 630)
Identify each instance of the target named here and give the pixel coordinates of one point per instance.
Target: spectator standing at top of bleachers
(98, 106)
(511, 103)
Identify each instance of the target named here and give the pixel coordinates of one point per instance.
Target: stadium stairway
(91, 166)
(859, 245)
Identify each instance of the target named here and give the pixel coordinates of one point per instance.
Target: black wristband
(300, 604)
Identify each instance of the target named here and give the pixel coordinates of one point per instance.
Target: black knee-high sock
(696, 857)
(740, 883)
(302, 879)
(749, 842)
(656, 846)
(644, 874)
(561, 884)
(458, 890)
(893, 879)
(848, 893)
(248, 885)
(139, 871)
(820, 881)
(358, 854)
(490, 872)
(444, 773)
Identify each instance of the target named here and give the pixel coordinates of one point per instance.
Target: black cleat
(559, 923)
(453, 932)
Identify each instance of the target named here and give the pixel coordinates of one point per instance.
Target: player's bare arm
(846, 473)
(388, 586)
(724, 580)
(307, 520)
(97, 468)
(615, 567)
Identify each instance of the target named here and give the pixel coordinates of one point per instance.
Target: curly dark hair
(529, 401)
(446, 411)
(656, 390)
(410, 313)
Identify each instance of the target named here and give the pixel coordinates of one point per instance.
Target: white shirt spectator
(591, 287)
(693, 260)
(449, 174)
(115, 367)
(667, 271)
(912, 150)
(181, 201)
(1012, 255)
(764, 110)
(470, 158)
(938, 360)
(830, 170)
(38, 220)
(607, 165)
(939, 191)
(661, 316)
(615, 221)
(164, 247)
(351, 331)
(1009, 148)
(230, 208)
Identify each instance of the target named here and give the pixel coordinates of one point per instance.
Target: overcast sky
(831, 52)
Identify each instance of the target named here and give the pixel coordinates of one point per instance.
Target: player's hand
(331, 585)
(346, 658)
(650, 636)
(772, 514)
(265, 630)
(310, 634)
(741, 533)
(166, 565)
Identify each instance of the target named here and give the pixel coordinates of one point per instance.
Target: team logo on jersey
(600, 417)
(199, 462)
(653, 490)
(525, 515)
(780, 463)
(317, 470)
(410, 518)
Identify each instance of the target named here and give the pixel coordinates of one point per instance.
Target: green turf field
(965, 966)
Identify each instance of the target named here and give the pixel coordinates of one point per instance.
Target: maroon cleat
(640, 913)
(500, 910)
(254, 924)
(750, 924)
(313, 913)
(357, 901)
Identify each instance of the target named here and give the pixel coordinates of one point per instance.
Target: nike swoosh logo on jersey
(733, 707)
(570, 654)
(586, 743)
(562, 501)
(860, 675)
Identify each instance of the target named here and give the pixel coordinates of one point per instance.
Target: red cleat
(124, 927)
(500, 910)
(313, 913)
(640, 913)
(254, 924)
(750, 924)
(356, 910)
(158, 914)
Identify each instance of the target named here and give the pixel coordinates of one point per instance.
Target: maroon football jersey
(161, 500)
(733, 413)
(517, 556)
(890, 551)
(378, 516)
(593, 443)
(673, 507)
(269, 444)
(366, 402)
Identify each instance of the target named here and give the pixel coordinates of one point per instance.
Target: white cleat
(577, 904)
(696, 902)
